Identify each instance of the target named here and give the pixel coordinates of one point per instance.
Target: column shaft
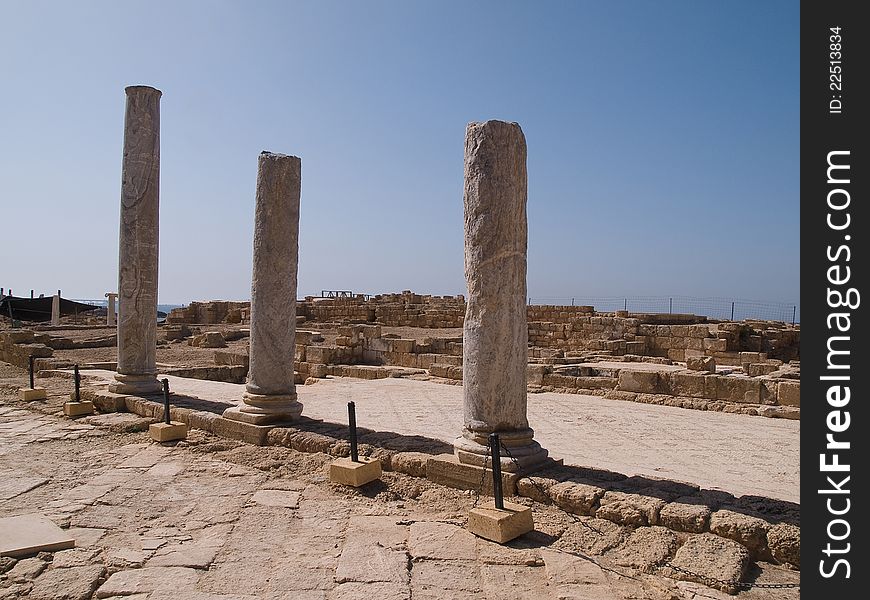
(271, 391)
(495, 332)
(138, 244)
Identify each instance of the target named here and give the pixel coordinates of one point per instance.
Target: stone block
(635, 510)
(318, 354)
(577, 498)
(684, 516)
(25, 535)
(677, 354)
(78, 409)
(638, 381)
(28, 394)
(411, 463)
(356, 474)
(445, 469)
(784, 541)
(748, 530)
(715, 344)
(687, 384)
(500, 525)
(167, 432)
(701, 363)
(708, 558)
(399, 345)
(317, 370)
(788, 393)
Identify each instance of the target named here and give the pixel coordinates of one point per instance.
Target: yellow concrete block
(78, 409)
(162, 432)
(27, 394)
(498, 525)
(347, 472)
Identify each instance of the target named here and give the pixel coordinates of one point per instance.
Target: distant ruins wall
(678, 337)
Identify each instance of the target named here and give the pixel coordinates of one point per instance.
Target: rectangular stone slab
(347, 472)
(78, 409)
(167, 432)
(500, 525)
(28, 394)
(26, 535)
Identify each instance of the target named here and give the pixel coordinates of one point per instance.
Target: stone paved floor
(213, 519)
(739, 454)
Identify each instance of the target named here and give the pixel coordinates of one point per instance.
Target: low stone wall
(18, 345)
(210, 313)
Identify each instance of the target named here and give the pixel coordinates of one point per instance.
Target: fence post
(732, 310)
(572, 301)
(793, 314)
(670, 306)
(625, 304)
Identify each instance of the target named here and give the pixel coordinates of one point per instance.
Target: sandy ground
(739, 454)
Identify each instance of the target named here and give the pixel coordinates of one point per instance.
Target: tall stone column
(55, 309)
(110, 309)
(495, 333)
(270, 395)
(138, 244)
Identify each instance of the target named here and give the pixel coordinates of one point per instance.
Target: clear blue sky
(663, 140)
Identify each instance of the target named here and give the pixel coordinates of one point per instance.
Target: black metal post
(30, 360)
(78, 380)
(351, 424)
(732, 310)
(495, 453)
(793, 314)
(166, 418)
(670, 306)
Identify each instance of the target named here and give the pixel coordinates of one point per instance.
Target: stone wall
(567, 328)
(17, 345)
(210, 313)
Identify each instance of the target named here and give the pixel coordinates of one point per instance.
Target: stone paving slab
(23, 535)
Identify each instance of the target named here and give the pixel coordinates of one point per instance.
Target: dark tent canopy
(39, 309)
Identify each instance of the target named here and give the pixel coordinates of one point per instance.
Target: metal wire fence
(733, 309)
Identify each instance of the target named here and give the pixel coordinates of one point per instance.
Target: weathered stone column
(271, 391)
(495, 333)
(110, 309)
(55, 309)
(138, 245)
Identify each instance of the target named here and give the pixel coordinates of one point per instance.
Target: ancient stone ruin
(238, 370)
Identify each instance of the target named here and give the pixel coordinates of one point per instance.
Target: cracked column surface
(495, 333)
(270, 394)
(138, 245)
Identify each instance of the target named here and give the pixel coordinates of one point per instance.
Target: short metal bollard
(167, 431)
(30, 360)
(166, 402)
(77, 407)
(495, 453)
(354, 471)
(351, 423)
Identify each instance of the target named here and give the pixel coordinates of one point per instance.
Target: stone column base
(135, 385)
(528, 455)
(260, 409)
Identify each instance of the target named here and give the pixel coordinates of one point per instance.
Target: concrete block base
(78, 409)
(347, 472)
(168, 432)
(28, 394)
(499, 525)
